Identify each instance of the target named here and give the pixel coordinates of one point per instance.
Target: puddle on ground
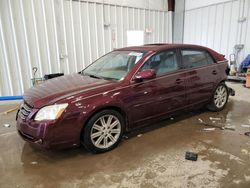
(155, 159)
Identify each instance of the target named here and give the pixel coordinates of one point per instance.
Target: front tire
(103, 132)
(219, 98)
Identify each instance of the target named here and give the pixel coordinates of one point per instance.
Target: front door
(162, 95)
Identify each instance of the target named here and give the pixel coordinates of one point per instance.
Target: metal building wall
(65, 36)
(220, 26)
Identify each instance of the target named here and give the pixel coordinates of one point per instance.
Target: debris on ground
(214, 126)
(125, 137)
(244, 151)
(6, 125)
(246, 126)
(171, 118)
(200, 120)
(207, 124)
(227, 127)
(237, 181)
(209, 129)
(34, 163)
(11, 110)
(191, 156)
(247, 134)
(214, 119)
(139, 135)
(232, 128)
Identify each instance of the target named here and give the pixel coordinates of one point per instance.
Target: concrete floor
(154, 158)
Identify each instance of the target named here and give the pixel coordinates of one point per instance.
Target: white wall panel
(218, 26)
(67, 35)
(192, 4)
(152, 4)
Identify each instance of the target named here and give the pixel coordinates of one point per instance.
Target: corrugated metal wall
(220, 26)
(65, 36)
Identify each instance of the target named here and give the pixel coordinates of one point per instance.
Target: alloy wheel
(105, 131)
(220, 96)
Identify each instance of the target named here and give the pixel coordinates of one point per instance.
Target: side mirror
(145, 74)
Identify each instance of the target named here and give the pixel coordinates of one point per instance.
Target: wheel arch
(215, 86)
(110, 107)
(209, 106)
(220, 82)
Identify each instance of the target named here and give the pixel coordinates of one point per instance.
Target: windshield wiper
(99, 77)
(107, 78)
(91, 75)
(94, 76)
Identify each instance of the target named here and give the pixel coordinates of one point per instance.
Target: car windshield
(114, 65)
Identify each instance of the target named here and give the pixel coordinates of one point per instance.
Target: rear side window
(210, 60)
(195, 58)
(162, 63)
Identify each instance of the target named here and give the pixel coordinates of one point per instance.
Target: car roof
(165, 46)
(160, 46)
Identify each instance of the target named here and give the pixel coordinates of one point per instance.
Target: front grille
(25, 110)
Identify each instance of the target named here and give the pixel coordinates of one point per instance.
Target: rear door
(201, 72)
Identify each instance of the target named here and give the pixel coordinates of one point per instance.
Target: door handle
(214, 72)
(178, 81)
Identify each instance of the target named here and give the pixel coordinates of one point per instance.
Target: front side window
(162, 63)
(195, 58)
(114, 65)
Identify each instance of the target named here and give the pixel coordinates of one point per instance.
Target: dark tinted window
(162, 63)
(195, 58)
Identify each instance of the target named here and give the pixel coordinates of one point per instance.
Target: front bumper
(38, 134)
(54, 135)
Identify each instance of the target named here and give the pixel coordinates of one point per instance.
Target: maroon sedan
(123, 90)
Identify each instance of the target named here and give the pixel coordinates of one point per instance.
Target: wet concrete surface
(154, 158)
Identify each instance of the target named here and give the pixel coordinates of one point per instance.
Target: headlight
(50, 112)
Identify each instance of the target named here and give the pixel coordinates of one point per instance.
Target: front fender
(95, 104)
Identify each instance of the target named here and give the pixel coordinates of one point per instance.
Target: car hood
(59, 88)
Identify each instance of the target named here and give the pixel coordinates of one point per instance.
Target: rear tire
(219, 98)
(103, 132)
